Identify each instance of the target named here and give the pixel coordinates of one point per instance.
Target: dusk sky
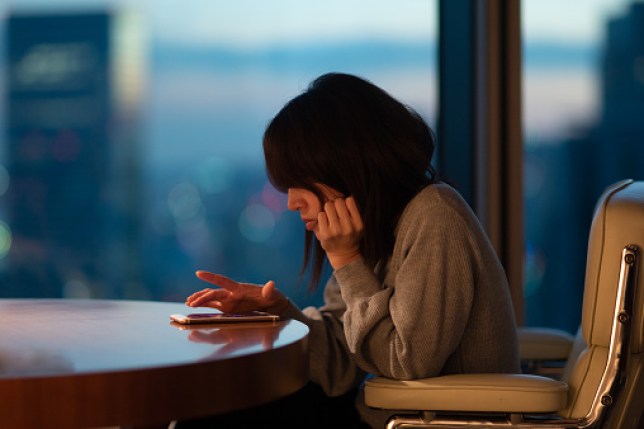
(556, 98)
(253, 23)
(207, 21)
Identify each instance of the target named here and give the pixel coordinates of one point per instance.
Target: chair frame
(604, 397)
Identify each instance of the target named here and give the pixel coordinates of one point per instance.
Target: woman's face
(308, 203)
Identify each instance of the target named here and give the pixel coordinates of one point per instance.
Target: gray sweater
(444, 306)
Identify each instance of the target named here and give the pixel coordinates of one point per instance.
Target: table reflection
(234, 337)
(19, 363)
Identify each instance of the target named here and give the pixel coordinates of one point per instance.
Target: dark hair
(349, 134)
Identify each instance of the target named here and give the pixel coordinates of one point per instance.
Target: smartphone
(251, 316)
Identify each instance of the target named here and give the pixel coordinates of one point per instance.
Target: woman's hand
(339, 231)
(234, 297)
(231, 339)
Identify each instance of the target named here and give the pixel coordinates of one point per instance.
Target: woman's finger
(344, 216)
(201, 296)
(322, 227)
(218, 280)
(211, 295)
(335, 226)
(198, 294)
(356, 218)
(268, 290)
(217, 305)
(331, 212)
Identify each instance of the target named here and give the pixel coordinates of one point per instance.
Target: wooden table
(90, 363)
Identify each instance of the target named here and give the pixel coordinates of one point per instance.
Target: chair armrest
(495, 393)
(540, 344)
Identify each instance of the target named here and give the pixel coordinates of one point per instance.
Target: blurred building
(73, 84)
(576, 171)
(620, 132)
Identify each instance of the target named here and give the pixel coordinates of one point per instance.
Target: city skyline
(561, 54)
(205, 200)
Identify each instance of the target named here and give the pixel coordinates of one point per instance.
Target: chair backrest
(618, 225)
(578, 346)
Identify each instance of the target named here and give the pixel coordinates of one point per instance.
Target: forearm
(330, 363)
(403, 335)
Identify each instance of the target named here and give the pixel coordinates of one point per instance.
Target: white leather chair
(605, 387)
(548, 351)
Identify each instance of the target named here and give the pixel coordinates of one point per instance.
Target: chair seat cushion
(502, 393)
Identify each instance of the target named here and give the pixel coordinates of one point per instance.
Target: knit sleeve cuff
(356, 281)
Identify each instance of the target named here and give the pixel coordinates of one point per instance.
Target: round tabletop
(89, 363)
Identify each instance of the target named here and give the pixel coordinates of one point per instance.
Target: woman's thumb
(268, 290)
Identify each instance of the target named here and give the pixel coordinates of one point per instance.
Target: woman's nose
(292, 201)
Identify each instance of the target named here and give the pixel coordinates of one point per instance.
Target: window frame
(479, 121)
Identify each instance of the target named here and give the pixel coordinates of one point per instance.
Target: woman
(417, 289)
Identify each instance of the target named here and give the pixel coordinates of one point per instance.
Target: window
(583, 94)
(132, 145)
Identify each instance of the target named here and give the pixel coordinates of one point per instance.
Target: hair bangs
(285, 165)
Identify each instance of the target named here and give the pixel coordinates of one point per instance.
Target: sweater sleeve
(408, 327)
(330, 363)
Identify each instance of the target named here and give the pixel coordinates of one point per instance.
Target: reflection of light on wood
(32, 362)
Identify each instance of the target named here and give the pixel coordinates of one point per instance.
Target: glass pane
(132, 134)
(583, 100)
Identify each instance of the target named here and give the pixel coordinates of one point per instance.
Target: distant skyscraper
(575, 172)
(72, 157)
(621, 128)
